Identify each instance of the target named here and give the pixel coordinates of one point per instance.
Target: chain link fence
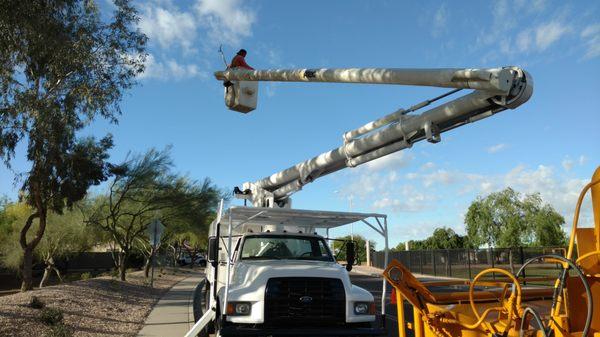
(466, 263)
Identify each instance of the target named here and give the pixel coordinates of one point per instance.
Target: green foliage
(143, 189)
(60, 330)
(36, 303)
(62, 63)
(505, 219)
(51, 316)
(66, 234)
(442, 238)
(85, 276)
(10, 250)
(360, 243)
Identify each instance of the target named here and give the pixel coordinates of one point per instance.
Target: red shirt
(239, 62)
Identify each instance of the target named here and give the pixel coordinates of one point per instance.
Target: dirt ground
(92, 308)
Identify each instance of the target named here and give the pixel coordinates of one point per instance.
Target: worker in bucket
(239, 60)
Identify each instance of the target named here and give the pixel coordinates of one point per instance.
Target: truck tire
(201, 306)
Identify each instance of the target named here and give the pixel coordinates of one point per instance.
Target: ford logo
(306, 299)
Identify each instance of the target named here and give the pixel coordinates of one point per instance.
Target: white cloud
(440, 20)
(536, 39)
(174, 33)
(428, 166)
(405, 199)
(548, 33)
(168, 27)
(392, 161)
(524, 40)
(496, 148)
(591, 35)
(518, 27)
(170, 69)
(567, 164)
(439, 177)
(560, 192)
(227, 20)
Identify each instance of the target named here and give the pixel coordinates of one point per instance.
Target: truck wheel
(202, 305)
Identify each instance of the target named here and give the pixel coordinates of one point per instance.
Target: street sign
(155, 231)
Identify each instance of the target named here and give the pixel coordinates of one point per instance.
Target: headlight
(364, 308)
(239, 308)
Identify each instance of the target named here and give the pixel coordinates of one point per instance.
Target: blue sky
(549, 145)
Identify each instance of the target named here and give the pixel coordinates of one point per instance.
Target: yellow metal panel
(596, 206)
(577, 303)
(400, 308)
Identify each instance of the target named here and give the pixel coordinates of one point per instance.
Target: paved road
(373, 284)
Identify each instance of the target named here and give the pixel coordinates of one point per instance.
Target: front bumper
(231, 330)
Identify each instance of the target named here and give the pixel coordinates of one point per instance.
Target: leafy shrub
(85, 276)
(60, 330)
(51, 316)
(36, 303)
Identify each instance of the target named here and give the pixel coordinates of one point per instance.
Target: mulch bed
(97, 307)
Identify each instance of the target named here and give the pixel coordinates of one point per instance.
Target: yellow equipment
(511, 306)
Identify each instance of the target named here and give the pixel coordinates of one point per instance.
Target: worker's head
(242, 52)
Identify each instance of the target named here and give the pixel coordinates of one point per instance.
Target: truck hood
(245, 272)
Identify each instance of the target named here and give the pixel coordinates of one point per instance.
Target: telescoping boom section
(493, 90)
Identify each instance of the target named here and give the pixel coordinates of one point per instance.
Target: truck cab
(281, 278)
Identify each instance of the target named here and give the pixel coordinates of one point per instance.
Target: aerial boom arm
(497, 80)
(495, 90)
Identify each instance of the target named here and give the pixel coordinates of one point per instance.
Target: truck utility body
(274, 275)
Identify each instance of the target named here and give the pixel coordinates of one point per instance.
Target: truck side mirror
(213, 251)
(350, 255)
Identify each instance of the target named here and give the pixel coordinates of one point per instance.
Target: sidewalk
(173, 315)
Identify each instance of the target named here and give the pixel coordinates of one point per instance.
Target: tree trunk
(147, 266)
(175, 257)
(60, 280)
(27, 266)
(122, 272)
(47, 272)
(50, 267)
(26, 269)
(510, 258)
(122, 266)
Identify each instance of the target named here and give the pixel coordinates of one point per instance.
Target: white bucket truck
(270, 273)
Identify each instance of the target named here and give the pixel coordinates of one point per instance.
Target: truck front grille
(305, 301)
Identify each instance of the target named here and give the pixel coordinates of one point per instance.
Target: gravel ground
(97, 307)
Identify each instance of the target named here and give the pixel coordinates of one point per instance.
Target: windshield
(285, 247)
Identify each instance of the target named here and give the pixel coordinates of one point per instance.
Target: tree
(61, 65)
(505, 219)
(445, 238)
(360, 244)
(544, 223)
(66, 234)
(441, 238)
(144, 189)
